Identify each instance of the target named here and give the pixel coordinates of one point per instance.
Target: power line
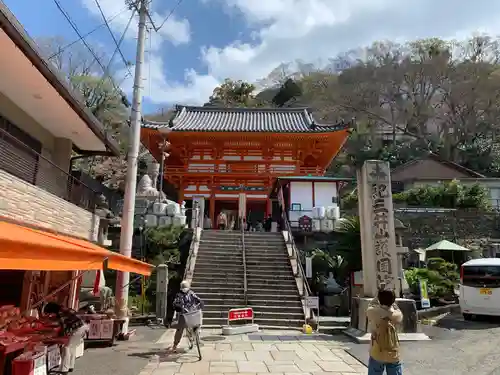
(118, 44)
(179, 2)
(127, 65)
(75, 29)
(62, 49)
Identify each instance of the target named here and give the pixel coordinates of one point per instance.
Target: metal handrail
(245, 286)
(306, 289)
(195, 239)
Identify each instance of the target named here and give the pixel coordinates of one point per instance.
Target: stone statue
(145, 187)
(154, 172)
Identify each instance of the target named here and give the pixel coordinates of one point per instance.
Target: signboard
(312, 302)
(53, 357)
(357, 278)
(309, 271)
(305, 223)
(424, 295)
(240, 314)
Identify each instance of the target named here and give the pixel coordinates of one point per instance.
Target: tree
(101, 95)
(409, 99)
(234, 94)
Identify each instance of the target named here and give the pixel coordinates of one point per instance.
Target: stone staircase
(218, 278)
(218, 275)
(271, 288)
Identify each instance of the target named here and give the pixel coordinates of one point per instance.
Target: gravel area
(457, 348)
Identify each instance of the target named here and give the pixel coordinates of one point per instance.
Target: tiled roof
(275, 120)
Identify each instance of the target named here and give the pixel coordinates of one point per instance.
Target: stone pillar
(198, 202)
(161, 291)
(378, 239)
(379, 251)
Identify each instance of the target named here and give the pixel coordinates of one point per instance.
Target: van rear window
(481, 276)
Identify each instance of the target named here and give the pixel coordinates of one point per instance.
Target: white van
(480, 287)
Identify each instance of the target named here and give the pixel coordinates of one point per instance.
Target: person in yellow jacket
(383, 316)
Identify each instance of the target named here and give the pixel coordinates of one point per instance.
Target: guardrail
(245, 283)
(299, 271)
(193, 249)
(22, 161)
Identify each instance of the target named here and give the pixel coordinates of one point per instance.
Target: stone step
(298, 315)
(256, 301)
(231, 301)
(285, 323)
(288, 285)
(276, 264)
(220, 275)
(254, 244)
(233, 289)
(270, 273)
(251, 295)
(222, 262)
(270, 283)
(262, 309)
(287, 289)
(210, 278)
(219, 267)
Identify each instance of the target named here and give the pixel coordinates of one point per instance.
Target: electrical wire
(77, 31)
(127, 64)
(111, 19)
(118, 44)
(179, 2)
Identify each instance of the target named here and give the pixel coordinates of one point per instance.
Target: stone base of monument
(240, 329)
(359, 321)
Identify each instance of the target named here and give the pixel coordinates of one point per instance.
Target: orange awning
(23, 248)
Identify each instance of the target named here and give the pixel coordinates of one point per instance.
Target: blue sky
(206, 41)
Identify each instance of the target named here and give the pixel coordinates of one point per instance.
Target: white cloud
(195, 89)
(311, 30)
(175, 30)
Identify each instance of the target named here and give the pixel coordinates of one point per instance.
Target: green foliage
(234, 94)
(162, 244)
(322, 264)
(441, 276)
(348, 242)
(450, 194)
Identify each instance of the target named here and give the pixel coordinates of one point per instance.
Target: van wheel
(467, 316)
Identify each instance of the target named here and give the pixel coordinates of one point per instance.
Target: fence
(22, 161)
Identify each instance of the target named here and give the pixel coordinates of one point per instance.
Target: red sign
(240, 314)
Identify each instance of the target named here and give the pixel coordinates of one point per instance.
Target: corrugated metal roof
(275, 120)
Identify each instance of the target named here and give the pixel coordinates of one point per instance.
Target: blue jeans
(377, 368)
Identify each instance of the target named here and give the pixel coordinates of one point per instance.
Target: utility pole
(127, 224)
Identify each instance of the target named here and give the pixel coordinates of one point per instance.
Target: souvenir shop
(36, 268)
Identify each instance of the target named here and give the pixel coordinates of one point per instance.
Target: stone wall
(427, 226)
(27, 203)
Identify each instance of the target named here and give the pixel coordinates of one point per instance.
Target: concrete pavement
(278, 352)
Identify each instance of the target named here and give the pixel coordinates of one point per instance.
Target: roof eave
(18, 35)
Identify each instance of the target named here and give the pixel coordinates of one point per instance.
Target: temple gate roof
(251, 120)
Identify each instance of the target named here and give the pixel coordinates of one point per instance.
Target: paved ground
(457, 348)
(264, 353)
(125, 358)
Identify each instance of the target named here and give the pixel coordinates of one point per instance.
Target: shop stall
(47, 267)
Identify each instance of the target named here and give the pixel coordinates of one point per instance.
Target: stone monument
(379, 252)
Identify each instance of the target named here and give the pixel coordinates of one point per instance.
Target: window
(481, 276)
(19, 152)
